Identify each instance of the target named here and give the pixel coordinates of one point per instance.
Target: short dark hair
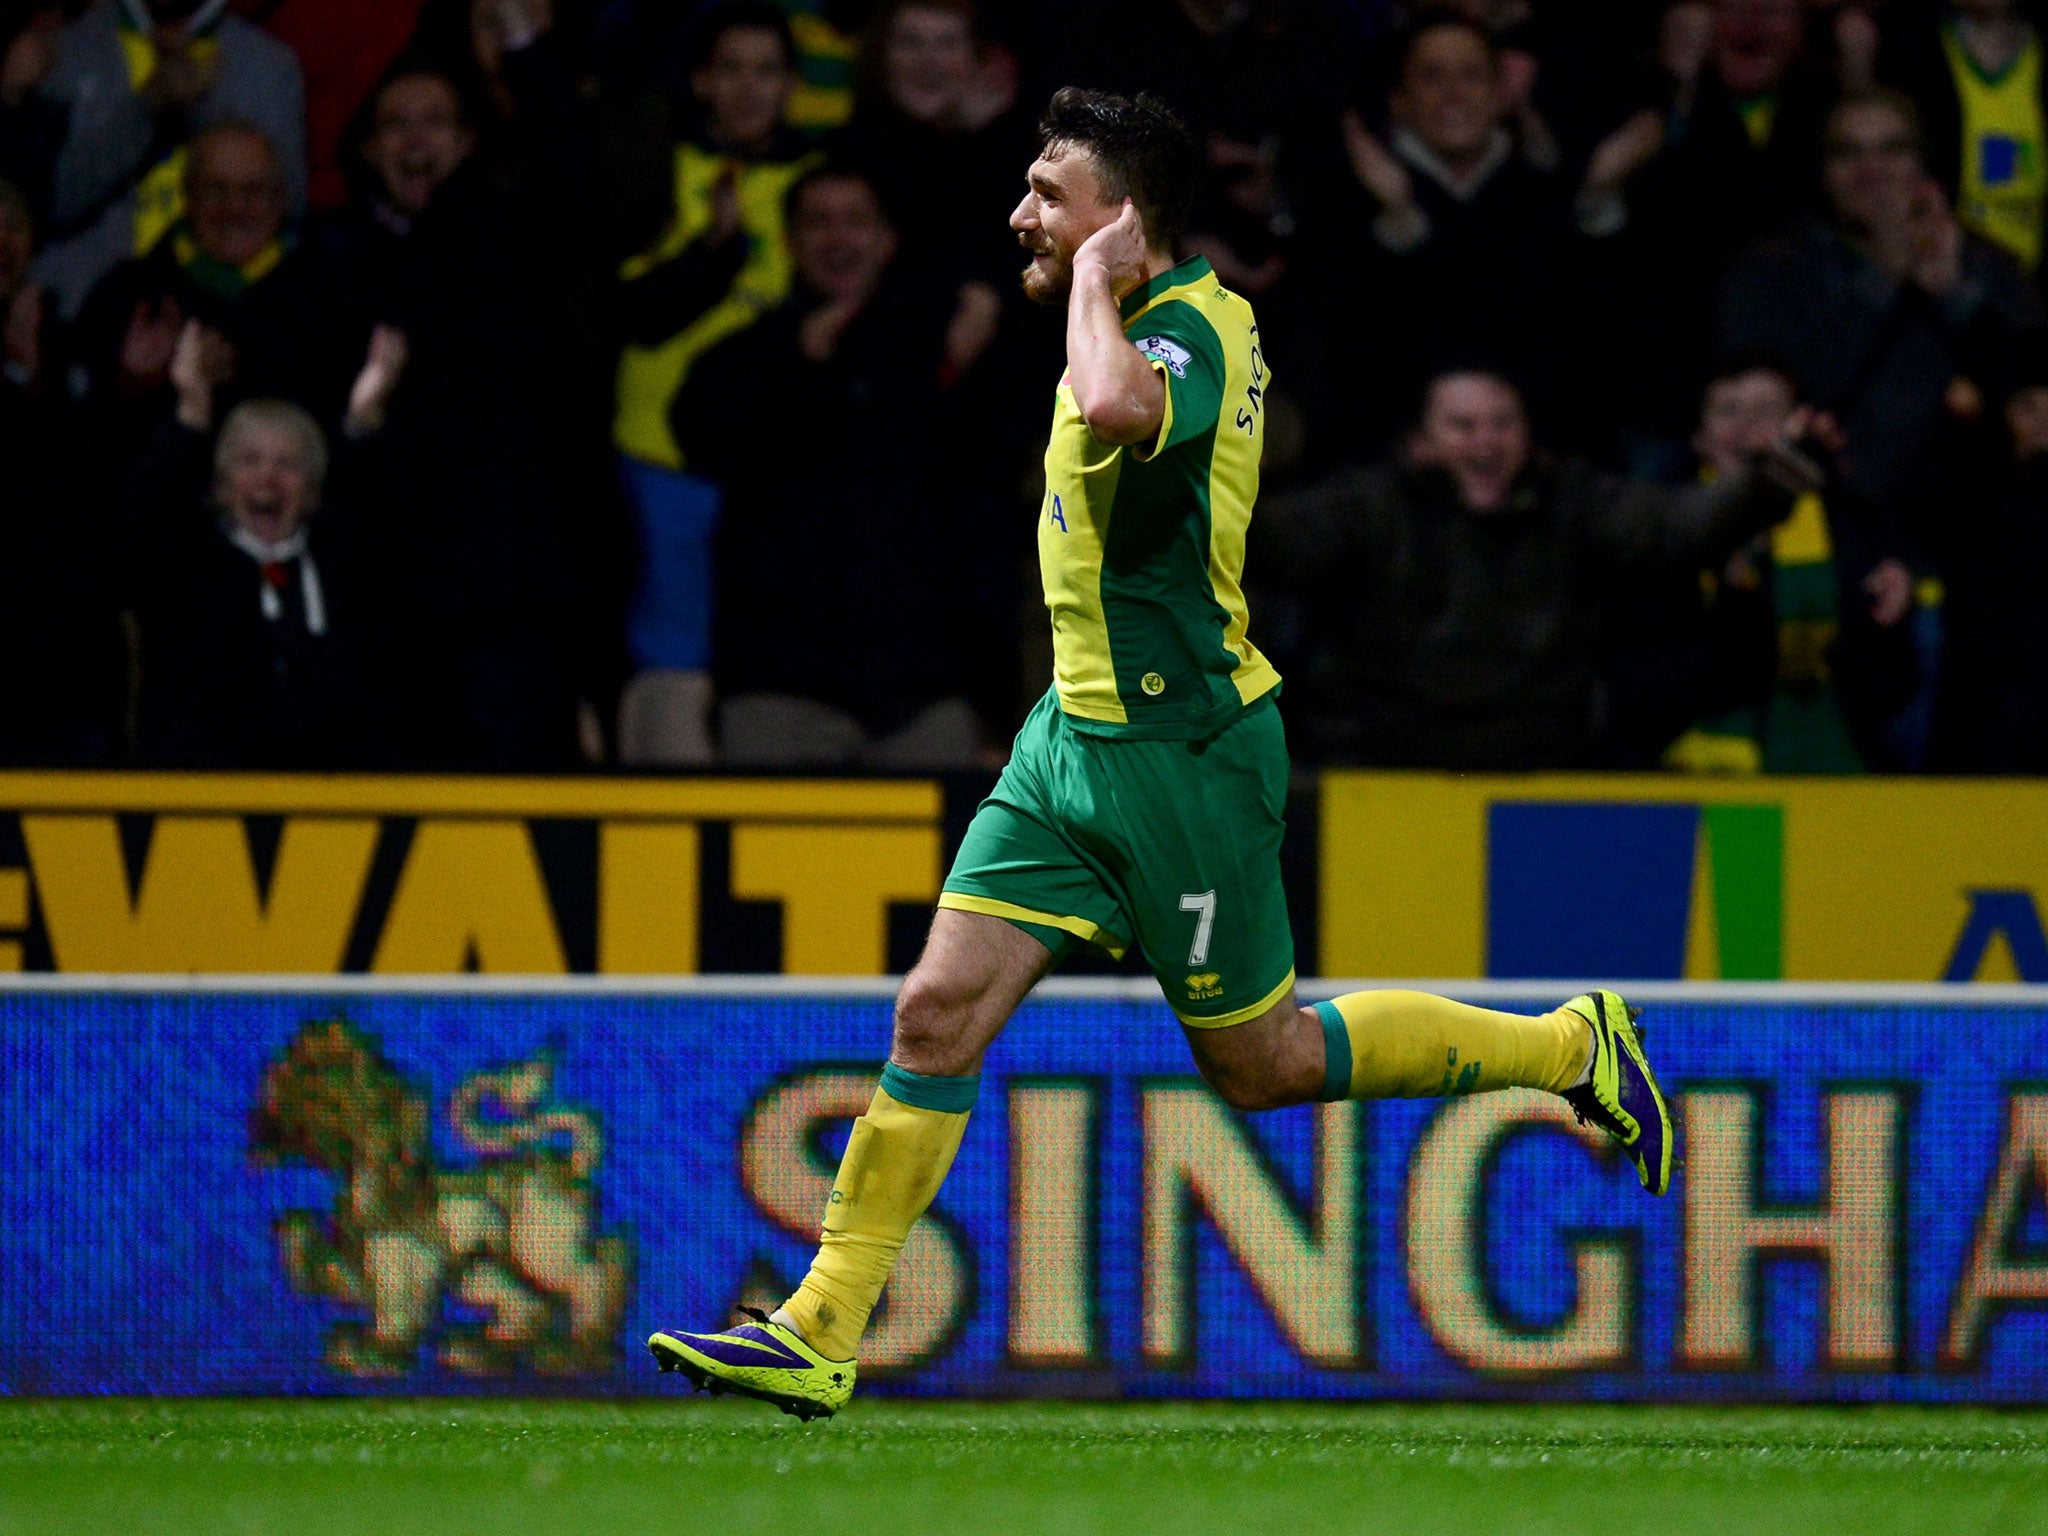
(1142, 151)
(1743, 361)
(743, 16)
(1471, 368)
(831, 170)
(1439, 18)
(412, 65)
(964, 11)
(1885, 99)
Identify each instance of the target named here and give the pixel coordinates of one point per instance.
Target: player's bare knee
(1255, 1094)
(1247, 1085)
(933, 1019)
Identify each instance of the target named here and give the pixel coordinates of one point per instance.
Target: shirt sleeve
(1187, 354)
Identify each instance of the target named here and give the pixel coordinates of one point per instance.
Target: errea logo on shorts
(1204, 987)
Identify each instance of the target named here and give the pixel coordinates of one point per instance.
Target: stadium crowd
(526, 384)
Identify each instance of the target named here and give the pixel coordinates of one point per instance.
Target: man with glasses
(1890, 312)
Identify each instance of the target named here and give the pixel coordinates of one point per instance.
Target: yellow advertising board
(1671, 878)
(125, 872)
(1419, 875)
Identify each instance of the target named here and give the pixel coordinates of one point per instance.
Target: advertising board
(211, 1187)
(1673, 878)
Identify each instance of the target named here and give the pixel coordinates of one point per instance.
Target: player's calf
(1265, 1063)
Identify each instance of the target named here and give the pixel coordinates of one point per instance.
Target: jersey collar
(1193, 270)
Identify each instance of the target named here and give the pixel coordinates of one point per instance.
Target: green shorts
(1174, 844)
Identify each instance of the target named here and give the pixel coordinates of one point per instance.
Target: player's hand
(1789, 461)
(1117, 251)
(31, 56)
(993, 89)
(23, 335)
(725, 207)
(1890, 590)
(1377, 171)
(149, 343)
(818, 334)
(1936, 241)
(1515, 79)
(202, 361)
(182, 74)
(499, 27)
(370, 397)
(1621, 154)
(1857, 40)
(973, 327)
(1685, 37)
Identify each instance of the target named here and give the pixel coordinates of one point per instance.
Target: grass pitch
(727, 1468)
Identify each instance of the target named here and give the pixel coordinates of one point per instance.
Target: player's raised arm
(1119, 393)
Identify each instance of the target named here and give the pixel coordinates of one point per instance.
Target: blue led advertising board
(313, 1191)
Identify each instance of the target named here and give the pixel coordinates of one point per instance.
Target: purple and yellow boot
(760, 1359)
(1623, 1098)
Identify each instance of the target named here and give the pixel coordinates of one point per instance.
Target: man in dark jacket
(1880, 307)
(1992, 715)
(133, 80)
(249, 612)
(1975, 69)
(462, 250)
(1472, 247)
(229, 263)
(1452, 599)
(62, 700)
(1892, 316)
(862, 589)
(1742, 97)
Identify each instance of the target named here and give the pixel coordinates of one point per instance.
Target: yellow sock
(895, 1161)
(1411, 1045)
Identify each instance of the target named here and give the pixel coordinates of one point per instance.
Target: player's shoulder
(1205, 321)
(1197, 286)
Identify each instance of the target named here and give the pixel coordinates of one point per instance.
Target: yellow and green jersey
(650, 377)
(1141, 548)
(2004, 182)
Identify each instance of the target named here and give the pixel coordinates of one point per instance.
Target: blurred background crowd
(534, 384)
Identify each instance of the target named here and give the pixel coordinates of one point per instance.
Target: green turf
(712, 1469)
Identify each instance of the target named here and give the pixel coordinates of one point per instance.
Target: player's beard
(1048, 280)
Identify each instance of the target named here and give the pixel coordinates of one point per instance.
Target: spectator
(1478, 247)
(479, 573)
(247, 608)
(855, 577)
(1975, 70)
(21, 300)
(1746, 106)
(1890, 313)
(1993, 710)
(31, 125)
(1513, 28)
(229, 263)
(346, 48)
(935, 132)
(60, 702)
(1743, 102)
(1259, 83)
(136, 78)
(1808, 629)
(721, 262)
(1453, 596)
(1569, 73)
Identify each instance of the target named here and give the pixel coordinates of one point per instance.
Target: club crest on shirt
(1162, 349)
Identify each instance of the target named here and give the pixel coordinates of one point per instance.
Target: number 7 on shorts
(1204, 903)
